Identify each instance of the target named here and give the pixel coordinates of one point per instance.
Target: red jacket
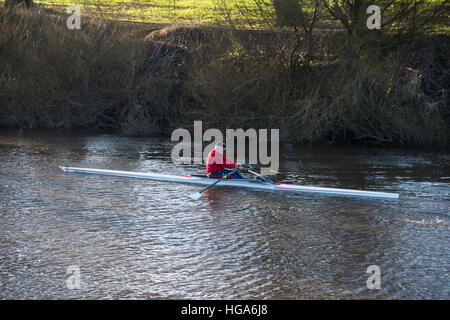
(218, 162)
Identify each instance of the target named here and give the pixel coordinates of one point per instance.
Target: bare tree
(301, 15)
(398, 16)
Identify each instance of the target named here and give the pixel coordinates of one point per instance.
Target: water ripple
(136, 239)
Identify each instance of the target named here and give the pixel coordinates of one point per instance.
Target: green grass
(151, 11)
(244, 12)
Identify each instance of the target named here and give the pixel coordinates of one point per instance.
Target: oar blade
(195, 196)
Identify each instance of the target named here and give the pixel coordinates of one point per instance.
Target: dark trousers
(220, 174)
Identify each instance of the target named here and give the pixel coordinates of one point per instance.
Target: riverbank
(137, 79)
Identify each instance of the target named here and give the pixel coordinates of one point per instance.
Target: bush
(89, 78)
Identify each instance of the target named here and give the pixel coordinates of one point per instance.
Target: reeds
(135, 80)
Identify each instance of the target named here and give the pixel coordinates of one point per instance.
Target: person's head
(220, 147)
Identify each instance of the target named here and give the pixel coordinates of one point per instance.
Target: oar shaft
(212, 185)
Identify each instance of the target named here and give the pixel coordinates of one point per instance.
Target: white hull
(245, 183)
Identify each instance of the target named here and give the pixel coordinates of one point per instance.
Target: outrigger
(260, 182)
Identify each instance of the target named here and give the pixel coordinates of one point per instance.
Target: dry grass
(131, 79)
(373, 95)
(55, 77)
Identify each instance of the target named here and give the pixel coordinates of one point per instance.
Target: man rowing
(218, 165)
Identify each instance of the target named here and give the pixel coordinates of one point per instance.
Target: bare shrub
(110, 76)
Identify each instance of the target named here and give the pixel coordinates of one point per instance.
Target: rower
(218, 165)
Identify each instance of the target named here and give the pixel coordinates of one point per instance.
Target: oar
(251, 167)
(198, 195)
(264, 178)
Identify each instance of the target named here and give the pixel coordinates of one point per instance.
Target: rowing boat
(244, 183)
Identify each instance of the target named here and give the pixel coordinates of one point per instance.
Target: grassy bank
(139, 80)
(152, 11)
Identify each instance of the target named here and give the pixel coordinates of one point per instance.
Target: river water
(140, 239)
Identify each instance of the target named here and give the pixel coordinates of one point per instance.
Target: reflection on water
(146, 239)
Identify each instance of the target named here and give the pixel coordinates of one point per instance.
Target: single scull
(245, 183)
